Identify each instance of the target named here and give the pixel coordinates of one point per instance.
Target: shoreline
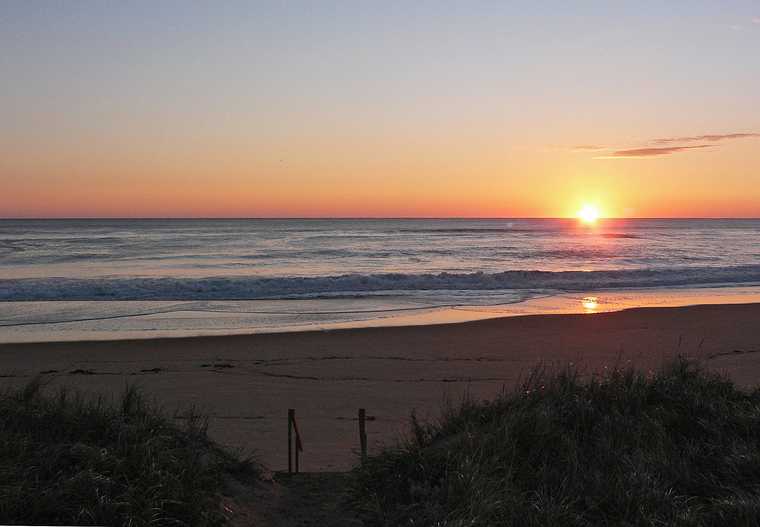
(246, 383)
(134, 320)
(357, 328)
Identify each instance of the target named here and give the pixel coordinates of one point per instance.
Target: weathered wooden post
(293, 427)
(298, 447)
(291, 418)
(363, 433)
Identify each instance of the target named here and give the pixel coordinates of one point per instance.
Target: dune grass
(66, 458)
(676, 447)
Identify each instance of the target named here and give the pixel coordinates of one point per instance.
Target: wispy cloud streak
(663, 146)
(650, 151)
(701, 138)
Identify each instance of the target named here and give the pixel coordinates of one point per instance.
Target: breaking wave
(252, 288)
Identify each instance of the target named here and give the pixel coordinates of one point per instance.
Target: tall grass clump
(66, 458)
(678, 447)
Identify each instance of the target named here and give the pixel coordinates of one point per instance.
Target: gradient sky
(379, 108)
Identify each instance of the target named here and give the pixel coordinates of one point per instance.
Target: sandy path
(246, 383)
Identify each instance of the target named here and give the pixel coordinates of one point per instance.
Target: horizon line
(348, 218)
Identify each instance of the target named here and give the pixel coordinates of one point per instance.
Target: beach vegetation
(679, 446)
(71, 459)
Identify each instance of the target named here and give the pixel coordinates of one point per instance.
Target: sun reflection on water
(590, 304)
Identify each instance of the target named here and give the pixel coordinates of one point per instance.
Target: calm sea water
(142, 268)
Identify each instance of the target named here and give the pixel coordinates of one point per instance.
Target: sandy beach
(246, 383)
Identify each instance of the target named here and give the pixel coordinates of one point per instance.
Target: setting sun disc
(588, 214)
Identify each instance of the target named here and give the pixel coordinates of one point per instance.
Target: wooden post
(363, 433)
(297, 449)
(298, 443)
(291, 418)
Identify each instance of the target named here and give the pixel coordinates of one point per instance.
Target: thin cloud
(650, 152)
(701, 138)
(756, 20)
(663, 146)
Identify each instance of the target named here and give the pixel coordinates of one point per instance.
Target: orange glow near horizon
(422, 184)
(434, 179)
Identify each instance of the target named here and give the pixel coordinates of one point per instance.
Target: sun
(588, 214)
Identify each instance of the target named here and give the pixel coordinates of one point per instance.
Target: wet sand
(246, 383)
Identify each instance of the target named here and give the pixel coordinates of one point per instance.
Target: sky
(379, 109)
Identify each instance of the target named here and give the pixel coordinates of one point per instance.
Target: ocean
(93, 279)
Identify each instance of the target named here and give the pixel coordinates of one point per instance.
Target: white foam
(251, 288)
